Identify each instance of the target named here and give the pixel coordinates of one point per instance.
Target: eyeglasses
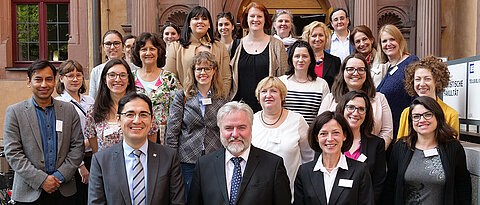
(206, 69)
(115, 44)
(352, 108)
(352, 70)
(78, 76)
(426, 115)
(113, 76)
(141, 115)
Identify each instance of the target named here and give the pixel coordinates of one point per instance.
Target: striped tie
(236, 179)
(138, 180)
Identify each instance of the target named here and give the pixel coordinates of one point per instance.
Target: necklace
(296, 80)
(281, 112)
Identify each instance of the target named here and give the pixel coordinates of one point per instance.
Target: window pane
(22, 33)
(33, 13)
(22, 13)
(34, 51)
(51, 12)
(52, 32)
(63, 30)
(34, 33)
(62, 12)
(22, 52)
(63, 51)
(52, 51)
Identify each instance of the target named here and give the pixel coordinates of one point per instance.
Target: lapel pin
(154, 155)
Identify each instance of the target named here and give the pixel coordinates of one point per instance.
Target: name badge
(108, 131)
(59, 126)
(153, 87)
(393, 70)
(430, 152)
(362, 158)
(348, 183)
(206, 101)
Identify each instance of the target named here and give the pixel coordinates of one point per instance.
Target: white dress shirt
(329, 178)
(130, 162)
(339, 48)
(229, 166)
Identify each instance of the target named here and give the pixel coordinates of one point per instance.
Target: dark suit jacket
(310, 187)
(331, 67)
(264, 182)
(24, 150)
(374, 149)
(109, 184)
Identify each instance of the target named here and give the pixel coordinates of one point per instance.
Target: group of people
(197, 116)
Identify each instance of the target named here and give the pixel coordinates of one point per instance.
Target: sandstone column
(144, 16)
(428, 28)
(365, 13)
(214, 7)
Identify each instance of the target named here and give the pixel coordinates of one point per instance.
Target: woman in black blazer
(357, 110)
(333, 178)
(428, 166)
(318, 36)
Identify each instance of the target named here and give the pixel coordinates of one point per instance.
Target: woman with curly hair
(428, 77)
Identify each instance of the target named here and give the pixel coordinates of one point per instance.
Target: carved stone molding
(175, 14)
(392, 15)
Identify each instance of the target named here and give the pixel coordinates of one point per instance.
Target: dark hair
(368, 122)
(114, 32)
(311, 68)
(103, 100)
(67, 67)
(128, 36)
(39, 65)
(261, 7)
(140, 42)
(230, 18)
(443, 133)
(346, 15)
(321, 120)
(186, 31)
(439, 71)
(169, 24)
(131, 96)
(365, 30)
(339, 87)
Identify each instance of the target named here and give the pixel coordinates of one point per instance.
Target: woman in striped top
(305, 89)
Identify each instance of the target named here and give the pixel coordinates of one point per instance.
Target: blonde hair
(307, 31)
(190, 81)
(397, 35)
(271, 81)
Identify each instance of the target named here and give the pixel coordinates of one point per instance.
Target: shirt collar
(38, 106)
(208, 93)
(205, 40)
(342, 163)
(127, 150)
(244, 155)
(335, 37)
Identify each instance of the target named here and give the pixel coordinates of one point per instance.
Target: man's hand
(51, 184)
(84, 174)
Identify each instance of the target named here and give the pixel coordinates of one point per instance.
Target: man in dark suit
(136, 171)
(239, 173)
(43, 142)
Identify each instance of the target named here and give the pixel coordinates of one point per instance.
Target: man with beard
(239, 173)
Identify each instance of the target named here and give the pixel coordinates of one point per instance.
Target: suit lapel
(220, 173)
(31, 115)
(119, 161)
(364, 145)
(153, 163)
(252, 163)
(319, 186)
(337, 190)
(59, 116)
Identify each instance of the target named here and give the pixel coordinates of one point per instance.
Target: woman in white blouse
(278, 130)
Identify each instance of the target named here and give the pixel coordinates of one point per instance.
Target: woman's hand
(84, 173)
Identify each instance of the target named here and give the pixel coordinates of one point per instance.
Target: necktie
(236, 179)
(138, 180)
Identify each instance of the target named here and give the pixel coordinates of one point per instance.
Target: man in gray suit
(43, 142)
(136, 171)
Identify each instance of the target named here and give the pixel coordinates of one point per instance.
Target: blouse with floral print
(162, 95)
(105, 137)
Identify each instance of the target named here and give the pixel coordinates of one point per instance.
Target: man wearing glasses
(136, 171)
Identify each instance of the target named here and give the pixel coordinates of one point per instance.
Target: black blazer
(458, 187)
(331, 67)
(310, 187)
(374, 149)
(264, 182)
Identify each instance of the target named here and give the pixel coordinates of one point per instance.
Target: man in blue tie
(136, 171)
(239, 173)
